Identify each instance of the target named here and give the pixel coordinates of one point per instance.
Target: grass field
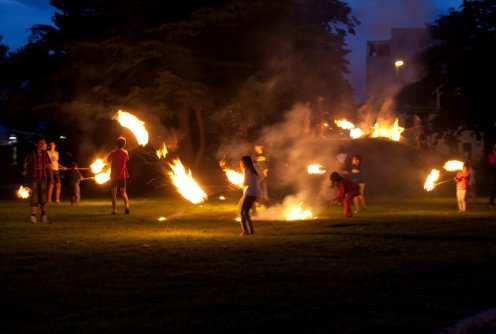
(404, 266)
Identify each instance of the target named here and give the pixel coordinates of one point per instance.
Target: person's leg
(125, 198)
(362, 196)
(113, 190)
(248, 218)
(347, 206)
(50, 192)
(356, 204)
(43, 199)
(77, 192)
(245, 214)
(58, 186)
(459, 200)
(463, 196)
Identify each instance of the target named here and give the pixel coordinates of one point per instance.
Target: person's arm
(340, 194)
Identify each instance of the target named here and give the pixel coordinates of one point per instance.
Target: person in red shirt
(462, 180)
(37, 166)
(118, 158)
(347, 190)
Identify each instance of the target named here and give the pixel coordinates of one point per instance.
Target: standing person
(261, 160)
(347, 190)
(250, 192)
(357, 176)
(118, 159)
(75, 178)
(492, 166)
(424, 137)
(344, 161)
(37, 166)
(462, 180)
(56, 167)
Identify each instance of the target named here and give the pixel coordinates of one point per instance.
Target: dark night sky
(377, 18)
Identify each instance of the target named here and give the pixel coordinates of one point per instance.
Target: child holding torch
(250, 192)
(462, 180)
(347, 190)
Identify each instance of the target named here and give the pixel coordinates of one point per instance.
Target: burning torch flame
(392, 133)
(103, 177)
(344, 124)
(134, 124)
(235, 178)
(185, 184)
(430, 182)
(298, 213)
(356, 133)
(23, 192)
(453, 165)
(97, 166)
(315, 169)
(161, 153)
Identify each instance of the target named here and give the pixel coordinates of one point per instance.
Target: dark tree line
(207, 69)
(460, 68)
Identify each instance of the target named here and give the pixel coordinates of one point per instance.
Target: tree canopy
(213, 66)
(460, 63)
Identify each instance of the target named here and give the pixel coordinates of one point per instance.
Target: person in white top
(56, 167)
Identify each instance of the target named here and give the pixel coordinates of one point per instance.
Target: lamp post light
(397, 64)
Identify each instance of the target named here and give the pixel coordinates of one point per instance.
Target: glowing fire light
(392, 133)
(162, 219)
(430, 182)
(97, 166)
(185, 184)
(23, 192)
(315, 169)
(103, 177)
(161, 153)
(134, 124)
(453, 165)
(344, 124)
(235, 178)
(222, 198)
(298, 213)
(356, 133)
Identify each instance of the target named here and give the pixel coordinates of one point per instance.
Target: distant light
(399, 63)
(12, 139)
(62, 137)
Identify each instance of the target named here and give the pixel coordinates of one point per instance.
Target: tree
(200, 65)
(460, 62)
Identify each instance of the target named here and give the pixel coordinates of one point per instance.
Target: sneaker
(44, 219)
(33, 219)
(127, 211)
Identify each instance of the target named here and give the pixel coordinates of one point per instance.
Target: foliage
(460, 62)
(193, 60)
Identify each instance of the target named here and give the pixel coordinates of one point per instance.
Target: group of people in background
(42, 168)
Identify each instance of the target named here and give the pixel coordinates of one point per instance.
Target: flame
(315, 169)
(235, 178)
(222, 198)
(344, 124)
(356, 133)
(103, 177)
(185, 184)
(23, 192)
(390, 132)
(431, 179)
(162, 219)
(298, 213)
(97, 166)
(161, 153)
(453, 165)
(134, 124)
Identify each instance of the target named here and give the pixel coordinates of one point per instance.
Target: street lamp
(397, 64)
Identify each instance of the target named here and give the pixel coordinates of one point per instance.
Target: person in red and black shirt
(37, 165)
(118, 159)
(347, 190)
